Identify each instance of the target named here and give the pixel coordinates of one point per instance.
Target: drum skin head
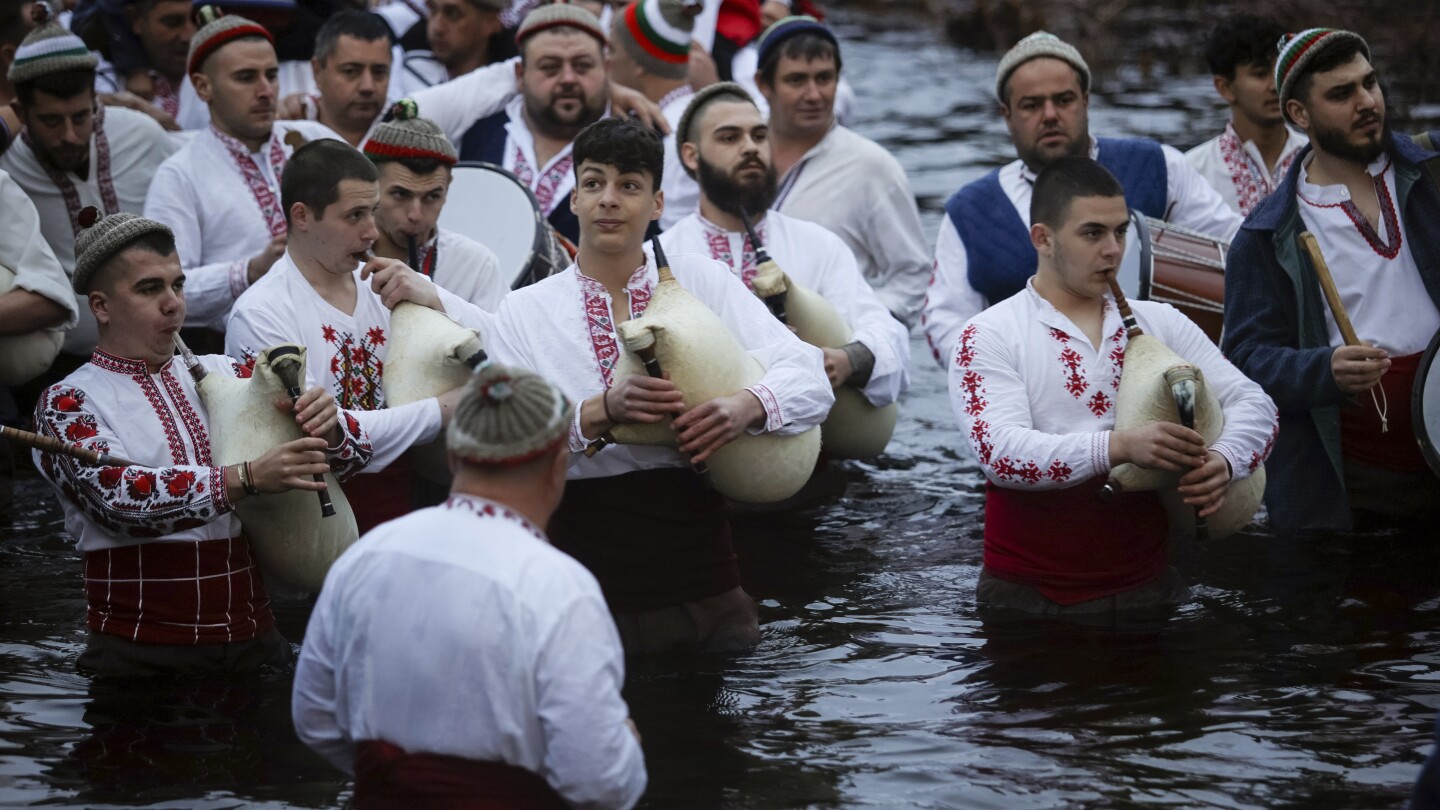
(491, 206)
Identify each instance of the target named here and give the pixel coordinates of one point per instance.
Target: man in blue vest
(1346, 444)
(564, 82)
(983, 254)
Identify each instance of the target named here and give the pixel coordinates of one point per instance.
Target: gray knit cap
(508, 416)
(99, 242)
(656, 34)
(404, 134)
(1038, 44)
(700, 100)
(48, 49)
(559, 15)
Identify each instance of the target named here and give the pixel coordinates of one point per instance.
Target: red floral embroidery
(244, 370)
(973, 386)
(1099, 404)
(965, 355)
(110, 477)
(1059, 471)
(81, 429)
(719, 242)
(547, 188)
(980, 437)
(265, 197)
(140, 485)
(1251, 181)
(178, 482)
(376, 335)
(1256, 459)
(69, 400)
(355, 369)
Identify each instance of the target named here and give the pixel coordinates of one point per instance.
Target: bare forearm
(23, 312)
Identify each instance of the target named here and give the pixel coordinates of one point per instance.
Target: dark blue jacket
(1275, 333)
(998, 251)
(485, 140)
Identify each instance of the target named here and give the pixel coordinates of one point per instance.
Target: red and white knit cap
(404, 134)
(508, 416)
(216, 29)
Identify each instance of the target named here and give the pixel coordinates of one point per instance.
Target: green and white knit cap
(1298, 51)
(657, 34)
(100, 241)
(48, 49)
(508, 416)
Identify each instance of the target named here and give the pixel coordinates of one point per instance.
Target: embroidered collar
(167, 96)
(1338, 196)
(553, 180)
(792, 175)
(99, 167)
(429, 257)
(683, 91)
(484, 508)
(1336, 193)
(124, 365)
(595, 307)
(718, 240)
(1249, 177)
(1051, 317)
(266, 197)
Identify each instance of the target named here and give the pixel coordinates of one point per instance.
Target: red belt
(185, 592)
(388, 777)
(1071, 547)
(379, 497)
(1361, 436)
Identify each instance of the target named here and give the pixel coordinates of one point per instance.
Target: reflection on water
(1303, 674)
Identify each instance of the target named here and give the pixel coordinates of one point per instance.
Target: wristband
(605, 403)
(247, 479)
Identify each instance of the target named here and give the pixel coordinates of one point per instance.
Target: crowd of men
(200, 175)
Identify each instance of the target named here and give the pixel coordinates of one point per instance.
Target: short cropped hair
(1062, 181)
(160, 243)
(1337, 54)
(418, 165)
(624, 143)
(314, 173)
(64, 84)
(361, 25)
(806, 45)
(1243, 39)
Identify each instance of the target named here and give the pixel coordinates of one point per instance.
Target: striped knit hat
(559, 15)
(1037, 45)
(787, 27)
(404, 134)
(656, 34)
(99, 241)
(508, 416)
(216, 29)
(48, 49)
(1299, 51)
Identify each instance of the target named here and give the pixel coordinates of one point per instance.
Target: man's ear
(659, 204)
(572, 199)
(690, 156)
(519, 75)
(300, 216)
(1222, 86)
(202, 85)
(1298, 114)
(316, 68)
(1042, 238)
(99, 306)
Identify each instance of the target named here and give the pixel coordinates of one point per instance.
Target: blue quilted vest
(997, 243)
(485, 140)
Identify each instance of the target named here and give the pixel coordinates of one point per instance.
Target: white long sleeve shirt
(458, 630)
(682, 193)
(561, 327)
(125, 153)
(345, 353)
(205, 197)
(815, 258)
(1036, 400)
(857, 190)
(465, 267)
(31, 260)
(1236, 170)
(456, 105)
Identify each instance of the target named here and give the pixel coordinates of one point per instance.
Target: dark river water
(1301, 675)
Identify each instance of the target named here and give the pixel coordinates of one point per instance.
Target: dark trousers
(110, 656)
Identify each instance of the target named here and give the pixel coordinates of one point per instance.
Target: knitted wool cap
(559, 15)
(48, 49)
(1038, 44)
(1298, 51)
(216, 29)
(698, 102)
(404, 134)
(99, 241)
(787, 27)
(508, 416)
(656, 34)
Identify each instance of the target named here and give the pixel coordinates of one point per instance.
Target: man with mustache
(725, 144)
(221, 192)
(1246, 161)
(564, 81)
(73, 152)
(352, 75)
(1346, 444)
(982, 255)
(463, 35)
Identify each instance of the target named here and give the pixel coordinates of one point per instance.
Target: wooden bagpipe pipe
(854, 428)
(680, 337)
(1158, 385)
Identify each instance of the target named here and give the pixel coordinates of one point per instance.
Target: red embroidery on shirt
(974, 387)
(265, 197)
(1099, 404)
(355, 371)
(1250, 180)
(980, 437)
(165, 96)
(62, 180)
(547, 188)
(194, 425)
(1387, 249)
(965, 355)
(719, 242)
(1059, 471)
(1258, 458)
(596, 302)
(486, 509)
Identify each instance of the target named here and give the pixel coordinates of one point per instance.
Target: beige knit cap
(404, 134)
(559, 15)
(48, 49)
(1038, 44)
(508, 416)
(97, 243)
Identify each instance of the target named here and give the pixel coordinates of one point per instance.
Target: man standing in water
(1033, 382)
(983, 254)
(1246, 161)
(640, 518)
(518, 697)
(1346, 441)
(170, 583)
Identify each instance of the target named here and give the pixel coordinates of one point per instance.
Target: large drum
(1425, 405)
(1176, 266)
(492, 206)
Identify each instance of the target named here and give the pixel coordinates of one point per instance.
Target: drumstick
(1327, 284)
(48, 444)
(289, 374)
(775, 302)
